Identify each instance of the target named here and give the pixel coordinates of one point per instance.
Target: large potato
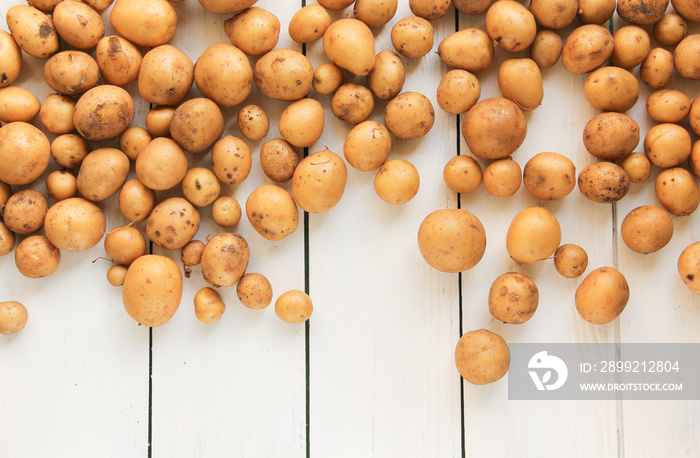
(667, 145)
(18, 104)
(25, 153)
(688, 9)
(283, 74)
(587, 48)
(166, 75)
(74, 224)
(225, 259)
(641, 12)
(148, 24)
(254, 31)
(272, 212)
(319, 181)
(685, 57)
(482, 357)
(152, 289)
(223, 73)
(611, 136)
(102, 173)
(78, 24)
(103, 112)
(118, 59)
(467, 49)
(494, 128)
(602, 295)
(611, 89)
(452, 240)
(349, 44)
(603, 182)
(409, 115)
(33, 31)
(511, 26)
(10, 59)
(172, 223)
(71, 72)
(533, 235)
(631, 46)
(646, 229)
(520, 80)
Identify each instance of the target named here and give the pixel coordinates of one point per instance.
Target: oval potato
(152, 290)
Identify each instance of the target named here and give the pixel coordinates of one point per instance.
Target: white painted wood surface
(372, 372)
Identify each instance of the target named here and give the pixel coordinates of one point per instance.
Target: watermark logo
(541, 367)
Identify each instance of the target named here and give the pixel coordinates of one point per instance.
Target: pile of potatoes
(87, 70)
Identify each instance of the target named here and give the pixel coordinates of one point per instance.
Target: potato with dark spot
(668, 105)
(254, 291)
(387, 76)
(24, 211)
(670, 29)
(283, 74)
(586, 48)
(458, 91)
(278, 159)
(197, 124)
(549, 176)
(430, 9)
(646, 229)
(118, 59)
(409, 115)
(546, 48)
(200, 186)
(367, 146)
(611, 89)
(103, 112)
(69, 150)
(272, 212)
(172, 223)
(611, 136)
(231, 159)
(24, 153)
(603, 182)
(602, 295)
(10, 59)
(689, 267)
(677, 191)
(570, 260)
(462, 174)
(482, 357)
(225, 259)
(494, 128)
(253, 122)
(641, 12)
(513, 298)
(166, 75)
(254, 31)
(468, 49)
(352, 103)
(33, 31)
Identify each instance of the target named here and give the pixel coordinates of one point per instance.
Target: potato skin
(611, 136)
(513, 298)
(172, 223)
(482, 357)
(409, 115)
(294, 306)
(223, 74)
(118, 59)
(166, 75)
(37, 257)
(602, 295)
(685, 57)
(226, 6)
(534, 234)
(225, 259)
(677, 191)
(254, 31)
(520, 80)
(611, 89)
(452, 240)
(302, 122)
(152, 289)
(511, 26)
(78, 24)
(197, 124)
(71, 72)
(603, 182)
(689, 267)
(641, 12)
(549, 176)
(467, 49)
(103, 112)
(13, 317)
(387, 77)
(161, 164)
(18, 104)
(309, 23)
(587, 48)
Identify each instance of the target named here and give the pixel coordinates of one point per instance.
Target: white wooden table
(372, 373)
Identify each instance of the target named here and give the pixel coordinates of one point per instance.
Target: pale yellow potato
(657, 69)
(349, 44)
(253, 122)
(689, 266)
(688, 9)
(125, 244)
(397, 181)
(24, 211)
(302, 122)
(208, 305)
(458, 91)
(631, 45)
(546, 48)
(294, 306)
(200, 186)
(136, 200)
(102, 173)
(670, 29)
(685, 57)
(13, 317)
(133, 140)
(549, 176)
(319, 181)
(513, 298)
(158, 120)
(677, 191)
(117, 274)
(603, 182)
(152, 289)
(327, 78)
(254, 291)
(482, 357)
(595, 11)
(226, 6)
(413, 37)
(24, 153)
(468, 49)
(502, 177)
(231, 159)
(118, 59)
(668, 105)
(172, 223)
(554, 14)
(18, 104)
(10, 59)
(33, 31)
(197, 124)
(74, 224)
(352, 103)
(166, 75)
(367, 146)
(452, 240)
(494, 128)
(462, 174)
(78, 24)
(511, 26)
(667, 145)
(61, 184)
(225, 259)
(278, 159)
(641, 12)
(161, 165)
(409, 115)
(103, 112)
(570, 260)
(7, 239)
(646, 229)
(226, 211)
(611, 89)
(387, 77)
(57, 114)
(147, 24)
(376, 13)
(223, 74)
(611, 136)
(520, 80)
(309, 23)
(586, 48)
(283, 74)
(602, 295)
(272, 212)
(254, 30)
(69, 150)
(533, 235)
(637, 166)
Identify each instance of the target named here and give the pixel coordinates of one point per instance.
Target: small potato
(200, 186)
(225, 259)
(61, 184)
(7, 239)
(657, 69)
(468, 49)
(231, 159)
(412, 37)
(387, 77)
(191, 254)
(103, 112)
(309, 23)
(124, 244)
(24, 211)
(595, 11)
(586, 48)
(670, 29)
(327, 78)
(158, 120)
(102, 173)
(458, 91)
(69, 150)
(534, 234)
(161, 165)
(482, 357)
(462, 174)
(677, 191)
(149, 24)
(278, 159)
(172, 223)
(226, 6)
(13, 317)
(430, 9)
(74, 224)
(272, 212)
(78, 24)
(452, 240)
(33, 31)
(472, 7)
(513, 298)
(689, 266)
(197, 124)
(570, 260)
(667, 145)
(603, 182)
(255, 31)
(520, 80)
(275, 70)
(409, 115)
(511, 26)
(118, 59)
(116, 275)
(166, 75)
(637, 166)
(253, 122)
(611, 89)
(319, 181)
(136, 200)
(349, 44)
(611, 136)
(554, 14)
(546, 48)
(397, 181)
(226, 211)
(254, 291)
(24, 153)
(302, 122)
(223, 74)
(494, 128)
(602, 295)
(631, 45)
(502, 177)
(208, 305)
(688, 9)
(152, 289)
(668, 105)
(10, 59)
(646, 229)
(352, 103)
(685, 57)
(549, 176)
(57, 114)
(294, 307)
(367, 146)
(641, 12)
(133, 140)
(376, 13)
(18, 104)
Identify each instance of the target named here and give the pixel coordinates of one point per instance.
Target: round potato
(272, 212)
(397, 181)
(494, 128)
(61, 184)
(166, 75)
(78, 24)
(646, 229)
(149, 24)
(278, 159)
(482, 357)
(349, 44)
(71, 72)
(586, 48)
(641, 12)
(513, 298)
(103, 112)
(117, 274)
(603, 182)
(546, 48)
(429, 9)
(69, 150)
(556, 14)
(376, 13)
(596, 11)
(689, 266)
(387, 77)
(352, 103)
(549, 176)
(133, 140)
(208, 305)
(520, 80)
(223, 74)
(677, 191)
(302, 122)
(13, 317)
(253, 122)
(74, 224)
(458, 91)
(319, 181)
(602, 295)
(33, 31)
(611, 136)
(136, 200)
(570, 260)
(172, 223)
(657, 69)
(694, 116)
(468, 49)
(631, 45)
(10, 59)
(25, 152)
(200, 186)
(668, 106)
(7, 239)
(255, 31)
(667, 145)
(611, 89)
(231, 159)
(409, 115)
(102, 173)
(158, 120)
(191, 255)
(24, 211)
(637, 166)
(685, 57)
(502, 177)
(670, 29)
(57, 113)
(294, 306)
(225, 259)
(118, 59)
(688, 9)
(452, 240)
(412, 37)
(511, 26)
(125, 244)
(534, 234)
(328, 78)
(367, 146)
(161, 165)
(309, 23)
(254, 291)
(152, 289)
(18, 104)
(197, 124)
(462, 174)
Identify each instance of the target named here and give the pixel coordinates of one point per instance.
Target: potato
(611, 89)
(283, 74)
(161, 165)
(637, 166)
(253, 122)
(136, 200)
(603, 182)
(197, 124)
(554, 14)
(502, 177)
(349, 44)
(102, 173)
(549, 176)
(376, 13)
(208, 305)
(272, 212)
(430, 9)
(57, 113)
(24, 211)
(166, 75)
(694, 115)
(13, 317)
(482, 357)
(152, 289)
(226, 211)
(586, 48)
(570, 260)
(688, 9)
(24, 153)
(646, 229)
(641, 12)
(367, 146)
(125, 244)
(409, 115)
(172, 223)
(103, 112)
(494, 128)
(694, 159)
(452, 240)
(294, 306)
(677, 191)
(191, 254)
(327, 78)
(511, 26)
(468, 49)
(458, 91)
(412, 37)
(472, 7)
(118, 59)
(18, 104)
(226, 6)
(352, 103)
(513, 298)
(74, 224)
(611, 136)
(116, 275)
(200, 186)
(33, 31)
(546, 48)
(231, 159)
(462, 174)
(254, 291)
(69, 150)
(631, 45)
(99, 5)
(520, 80)
(670, 29)
(158, 120)
(596, 11)
(133, 140)
(602, 295)
(668, 105)
(667, 145)
(78, 24)
(534, 234)
(387, 77)
(319, 181)
(149, 24)
(7, 239)
(44, 5)
(397, 181)
(255, 31)
(689, 266)
(223, 74)
(302, 122)
(657, 69)
(309, 23)
(61, 184)
(278, 159)
(335, 4)
(685, 57)
(225, 259)
(10, 59)
(5, 193)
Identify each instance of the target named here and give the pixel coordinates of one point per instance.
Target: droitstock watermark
(586, 371)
